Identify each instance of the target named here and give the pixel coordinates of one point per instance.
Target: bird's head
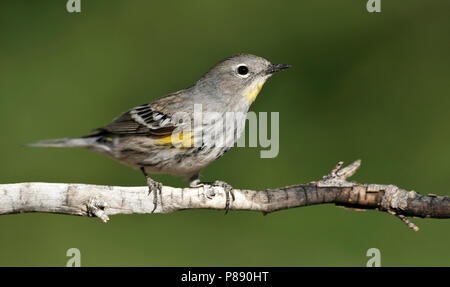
(239, 78)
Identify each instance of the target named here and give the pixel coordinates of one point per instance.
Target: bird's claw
(156, 187)
(228, 193)
(153, 186)
(195, 182)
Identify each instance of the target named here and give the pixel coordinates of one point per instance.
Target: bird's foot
(156, 188)
(229, 194)
(196, 183)
(153, 186)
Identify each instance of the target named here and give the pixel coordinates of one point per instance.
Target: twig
(103, 201)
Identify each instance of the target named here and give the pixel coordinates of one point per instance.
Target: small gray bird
(162, 137)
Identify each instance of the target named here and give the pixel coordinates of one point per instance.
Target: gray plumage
(139, 137)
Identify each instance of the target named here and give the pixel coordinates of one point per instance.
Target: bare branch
(103, 201)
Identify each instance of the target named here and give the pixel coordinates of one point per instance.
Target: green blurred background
(370, 86)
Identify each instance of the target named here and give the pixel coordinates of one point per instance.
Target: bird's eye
(242, 70)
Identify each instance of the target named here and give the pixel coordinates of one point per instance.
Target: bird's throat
(254, 91)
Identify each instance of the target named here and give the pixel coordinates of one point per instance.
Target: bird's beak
(276, 67)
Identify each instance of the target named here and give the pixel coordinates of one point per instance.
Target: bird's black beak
(276, 67)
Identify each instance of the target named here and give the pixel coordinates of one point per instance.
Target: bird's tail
(65, 142)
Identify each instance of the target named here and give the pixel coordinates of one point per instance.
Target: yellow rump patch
(182, 140)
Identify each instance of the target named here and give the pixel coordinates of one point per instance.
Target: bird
(163, 136)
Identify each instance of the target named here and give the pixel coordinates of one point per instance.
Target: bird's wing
(155, 118)
(141, 120)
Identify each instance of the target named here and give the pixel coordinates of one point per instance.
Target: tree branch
(103, 201)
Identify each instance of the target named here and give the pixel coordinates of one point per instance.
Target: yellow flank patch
(251, 96)
(182, 140)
